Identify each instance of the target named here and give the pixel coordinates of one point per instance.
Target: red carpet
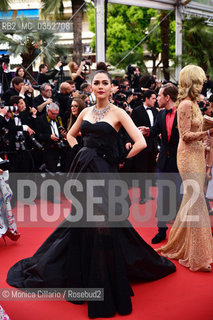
(182, 295)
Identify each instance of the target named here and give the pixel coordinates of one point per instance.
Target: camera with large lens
(20, 142)
(64, 61)
(130, 69)
(35, 142)
(9, 108)
(60, 144)
(87, 63)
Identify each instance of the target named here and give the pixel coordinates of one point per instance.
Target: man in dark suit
(44, 76)
(166, 125)
(19, 89)
(42, 101)
(63, 98)
(48, 132)
(145, 161)
(20, 124)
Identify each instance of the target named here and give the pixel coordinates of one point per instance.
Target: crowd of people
(133, 124)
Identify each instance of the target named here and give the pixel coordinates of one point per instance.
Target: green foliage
(198, 39)
(126, 27)
(56, 7)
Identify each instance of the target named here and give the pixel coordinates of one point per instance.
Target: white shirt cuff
(22, 95)
(25, 127)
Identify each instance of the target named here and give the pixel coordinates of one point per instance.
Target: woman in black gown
(101, 255)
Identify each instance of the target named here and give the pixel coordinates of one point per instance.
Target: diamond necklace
(98, 114)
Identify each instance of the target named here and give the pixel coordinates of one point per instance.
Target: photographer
(43, 75)
(136, 78)
(19, 132)
(5, 75)
(42, 101)
(48, 128)
(86, 88)
(19, 89)
(78, 73)
(63, 98)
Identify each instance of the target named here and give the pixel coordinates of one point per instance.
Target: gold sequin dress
(190, 239)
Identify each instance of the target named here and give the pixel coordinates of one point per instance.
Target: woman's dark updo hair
(101, 66)
(104, 72)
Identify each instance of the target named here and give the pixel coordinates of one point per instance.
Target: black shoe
(159, 237)
(142, 201)
(150, 198)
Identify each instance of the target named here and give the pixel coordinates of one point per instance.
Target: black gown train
(93, 257)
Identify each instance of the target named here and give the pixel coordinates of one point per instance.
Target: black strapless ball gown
(93, 257)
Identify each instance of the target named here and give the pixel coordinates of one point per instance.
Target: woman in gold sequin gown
(190, 239)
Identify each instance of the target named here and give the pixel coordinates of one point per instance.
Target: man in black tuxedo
(19, 89)
(48, 132)
(166, 125)
(42, 101)
(44, 76)
(20, 123)
(145, 161)
(63, 98)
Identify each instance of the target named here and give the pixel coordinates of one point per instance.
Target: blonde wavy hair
(190, 82)
(71, 66)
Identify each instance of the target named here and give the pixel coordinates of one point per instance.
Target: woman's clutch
(207, 123)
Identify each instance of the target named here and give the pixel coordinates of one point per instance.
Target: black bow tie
(149, 109)
(16, 115)
(169, 111)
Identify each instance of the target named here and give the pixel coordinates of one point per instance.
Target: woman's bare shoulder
(117, 110)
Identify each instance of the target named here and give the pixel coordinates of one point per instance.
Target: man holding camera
(48, 129)
(44, 76)
(19, 89)
(19, 125)
(42, 101)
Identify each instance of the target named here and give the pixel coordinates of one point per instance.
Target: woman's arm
(133, 132)
(78, 73)
(184, 123)
(75, 129)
